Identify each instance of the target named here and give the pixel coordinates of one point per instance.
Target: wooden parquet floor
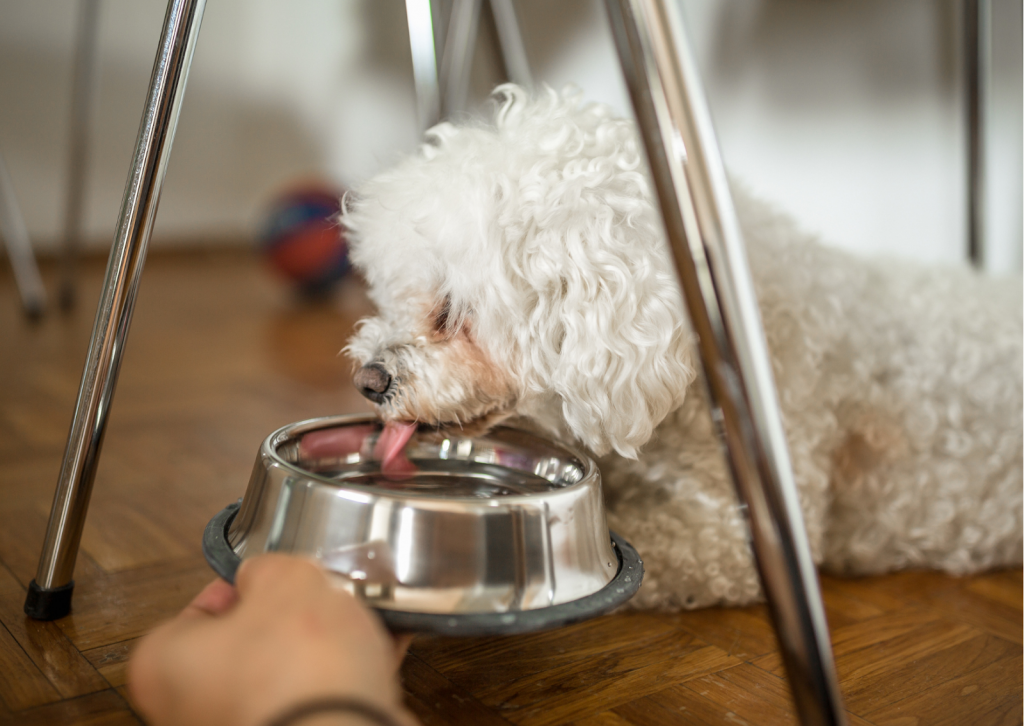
(218, 357)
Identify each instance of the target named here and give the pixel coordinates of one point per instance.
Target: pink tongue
(392, 440)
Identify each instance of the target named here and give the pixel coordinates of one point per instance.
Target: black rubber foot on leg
(34, 310)
(43, 604)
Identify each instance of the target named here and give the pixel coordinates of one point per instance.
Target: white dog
(520, 270)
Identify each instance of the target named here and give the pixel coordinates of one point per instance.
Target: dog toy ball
(303, 240)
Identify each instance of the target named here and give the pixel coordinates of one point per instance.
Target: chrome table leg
(82, 90)
(49, 595)
(423, 44)
(705, 240)
(460, 42)
(513, 50)
(976, 48)
(441, 70)
(456, 60)
(19, 249)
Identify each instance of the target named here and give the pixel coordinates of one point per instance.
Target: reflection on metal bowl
(505, 523)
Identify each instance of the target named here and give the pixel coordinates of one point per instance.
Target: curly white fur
(520, 270)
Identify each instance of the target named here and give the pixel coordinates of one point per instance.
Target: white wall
(271, 96)
(847, 113)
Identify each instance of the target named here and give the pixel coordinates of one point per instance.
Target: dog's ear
(605, 327)
(614, 350)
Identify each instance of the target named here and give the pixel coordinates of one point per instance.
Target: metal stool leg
(977, 38)
(459, 42)
(82, 91)
(442, 87)
(513, 51)
(705, 239)
(420, 18)
(49, 595)
(19, 248)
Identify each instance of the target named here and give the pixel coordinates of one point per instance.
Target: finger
(215, 599)
(273, 577)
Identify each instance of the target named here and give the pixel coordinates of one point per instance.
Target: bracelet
(320, 706)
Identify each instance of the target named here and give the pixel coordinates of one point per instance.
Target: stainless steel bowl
(499, 533)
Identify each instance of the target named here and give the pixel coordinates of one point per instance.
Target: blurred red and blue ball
(303, 240)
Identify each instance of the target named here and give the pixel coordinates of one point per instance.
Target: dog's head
(520, 270)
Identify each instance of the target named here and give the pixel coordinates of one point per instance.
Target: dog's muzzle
(373, 382)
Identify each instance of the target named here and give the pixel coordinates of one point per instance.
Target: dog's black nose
(373, 382)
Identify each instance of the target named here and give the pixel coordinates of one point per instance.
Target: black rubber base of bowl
(623, 586)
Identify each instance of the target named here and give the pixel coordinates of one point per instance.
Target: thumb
(272, 577)
(215, 599)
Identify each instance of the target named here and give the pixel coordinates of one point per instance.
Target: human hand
(243, 655)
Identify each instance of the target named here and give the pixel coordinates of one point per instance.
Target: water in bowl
(452, 479)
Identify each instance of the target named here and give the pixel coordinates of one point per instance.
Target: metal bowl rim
(268, 450)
